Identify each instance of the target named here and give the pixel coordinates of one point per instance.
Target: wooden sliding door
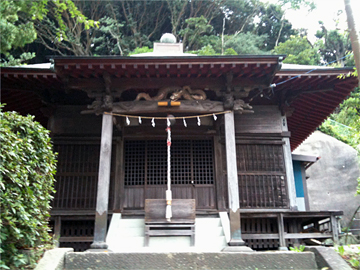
(192, 172)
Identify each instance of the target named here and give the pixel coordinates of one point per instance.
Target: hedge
(27, 168)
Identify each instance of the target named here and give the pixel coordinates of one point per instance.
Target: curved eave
(313, 96)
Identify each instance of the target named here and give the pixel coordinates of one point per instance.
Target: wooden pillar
(232, 178)
(57, 230)
(290, 180)
(281, 228)
(334, 229)
(102, 200)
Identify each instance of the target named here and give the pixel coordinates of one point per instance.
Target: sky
(325, 11)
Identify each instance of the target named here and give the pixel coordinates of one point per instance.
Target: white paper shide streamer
(127, 120)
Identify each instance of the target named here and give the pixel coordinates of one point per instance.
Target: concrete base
(99, 245)
(210, 260)
(53, 259)
(98, 250)
(237, 249)
(283, 249)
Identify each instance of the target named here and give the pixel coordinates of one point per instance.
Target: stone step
(206, 243)
(189, 260)
(127, 234)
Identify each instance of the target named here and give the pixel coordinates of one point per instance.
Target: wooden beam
(187, 106)
(102, 200)
(123, 84)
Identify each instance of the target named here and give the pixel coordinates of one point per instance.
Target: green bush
(27, 168)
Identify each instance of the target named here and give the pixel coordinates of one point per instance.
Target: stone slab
(53, 259)
(215, 260)
(327, 257)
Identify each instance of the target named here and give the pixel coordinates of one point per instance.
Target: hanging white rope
(168, 213)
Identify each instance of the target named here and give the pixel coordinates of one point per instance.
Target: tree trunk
(354, 36)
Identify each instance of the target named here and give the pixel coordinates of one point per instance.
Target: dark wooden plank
(260, 236)
(76, 239)
(265, 119)
(306, 235)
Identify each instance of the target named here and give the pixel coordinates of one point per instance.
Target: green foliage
(12, 61)
(351, 256)
(345, 123)
(230, 51)
(195, 29)
(27, 167)
(19, 20)
(340, 250)
(355, 263)
(339, 132)
(110, 41)
(298, 51)
(206, 50)
(300, 248)
(141, 50)
(246, 43)
(274, 26)
(334, 45)
(296, 4)
(14, 32)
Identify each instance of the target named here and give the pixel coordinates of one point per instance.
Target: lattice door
(77, 176)
(262, 176)
(192, 173)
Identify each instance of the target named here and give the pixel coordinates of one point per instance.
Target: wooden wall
(260, 162)
(260, 159)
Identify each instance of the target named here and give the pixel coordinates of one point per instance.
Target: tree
(71, 36)
(354, 35)
(246, 43)
(19, 20)
(299, 51)
(14, 32)
(292, 4)
(195, 29)
(334, 46)
(27, 168)
(110, 38)
(274, 25)
(143, 20)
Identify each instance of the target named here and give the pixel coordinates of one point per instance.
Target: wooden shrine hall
(234, 121)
